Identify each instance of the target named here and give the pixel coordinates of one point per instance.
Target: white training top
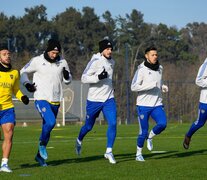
(201, 81)
(48, 77)
(148, 84)
(99, 90)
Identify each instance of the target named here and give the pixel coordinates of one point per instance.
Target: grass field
(168, 160)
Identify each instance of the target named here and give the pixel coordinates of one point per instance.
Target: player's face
(152, 56)
(5, 57)
(53, 54)
(107, 53)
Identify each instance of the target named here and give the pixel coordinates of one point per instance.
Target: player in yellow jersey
(9, 85)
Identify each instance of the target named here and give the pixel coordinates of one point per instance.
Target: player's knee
(113, 125)
(50, 124)
(162, 126)
(88, 127)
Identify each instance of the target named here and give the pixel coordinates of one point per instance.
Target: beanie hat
(3, 47)
(105, 44)
(53, 45)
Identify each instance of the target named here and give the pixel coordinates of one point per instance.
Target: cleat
(186, 142)
(149, 144)
(77, 147)
(5, 168)
(40, 160)
(139, 158)
(110, 157)
(43, 151)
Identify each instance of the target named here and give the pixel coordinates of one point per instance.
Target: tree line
(181, 52)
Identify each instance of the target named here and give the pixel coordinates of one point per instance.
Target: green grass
(174, 163)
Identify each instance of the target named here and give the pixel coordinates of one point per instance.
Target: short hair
(151, 48)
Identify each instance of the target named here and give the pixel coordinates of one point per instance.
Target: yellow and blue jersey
(9, 85)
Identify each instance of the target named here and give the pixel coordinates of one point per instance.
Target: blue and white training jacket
(201, 81)
(148, 84)
(99, 90)
(48, 77)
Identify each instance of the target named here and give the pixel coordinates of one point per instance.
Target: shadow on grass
(119, 158)
(185, 154)
(64, 161)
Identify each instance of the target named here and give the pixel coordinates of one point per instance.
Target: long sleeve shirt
(148, 84)
(99, 90)
(48, 78)
(201, 81)
(9, 85)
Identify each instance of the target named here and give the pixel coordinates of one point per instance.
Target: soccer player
(147, 81)
(201, 81)
(98, 74)
(49, 71)
(9, 85)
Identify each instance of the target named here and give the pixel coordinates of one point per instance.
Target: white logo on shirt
(43, 109)
(141, 116)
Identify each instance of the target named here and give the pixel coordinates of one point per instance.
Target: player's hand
(103, 75)
(30, 87)
(164, 88)
(65, 74)
(25, 99)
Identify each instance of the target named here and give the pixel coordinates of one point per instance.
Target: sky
(177, 13)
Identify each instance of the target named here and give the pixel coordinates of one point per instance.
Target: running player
(9, 85)
(98, 74)
(49, 71)
(147, 81)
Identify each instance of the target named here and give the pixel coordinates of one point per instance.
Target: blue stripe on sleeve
(135, 77)
(89, 65)
(202, 69)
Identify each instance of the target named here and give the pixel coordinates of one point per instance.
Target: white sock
(79, 142)
(4, 161)
(108, 150)
(151, 134)
(139, 151)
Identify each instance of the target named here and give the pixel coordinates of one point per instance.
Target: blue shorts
(7, 116)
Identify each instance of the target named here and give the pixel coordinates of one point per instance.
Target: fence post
(63, 109)
(127, 83)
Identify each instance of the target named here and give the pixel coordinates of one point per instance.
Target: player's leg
(7, 124)
(92, 111)
(202, 117)
(48, 113)
(110, 113)
(158, 114)
(143, 117)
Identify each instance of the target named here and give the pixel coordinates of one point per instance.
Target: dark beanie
(53, 45)
(105, 44)
(3, 47)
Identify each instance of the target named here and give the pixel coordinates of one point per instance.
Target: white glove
(164, 88)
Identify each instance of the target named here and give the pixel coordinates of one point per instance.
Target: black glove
(103, 75)
(30, 87)
(25, 99)
(66, 74)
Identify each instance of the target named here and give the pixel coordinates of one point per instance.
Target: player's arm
(164, 87)
(67, 77)
(138, 83)
(27, 69)
(17, 92)
(201, 79)
(90, 74)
